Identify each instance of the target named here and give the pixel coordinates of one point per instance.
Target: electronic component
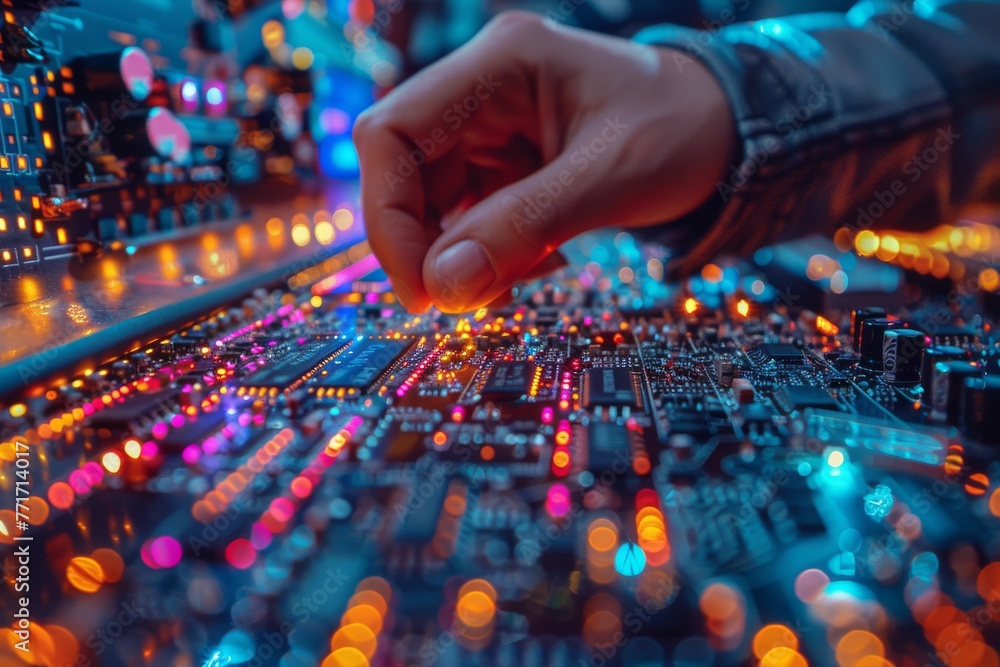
(608, 387)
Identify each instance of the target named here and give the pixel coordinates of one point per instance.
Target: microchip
(782, 352)
(362, 364)
(609, 443)
(608, 386)
(509, 379)
(791, 398)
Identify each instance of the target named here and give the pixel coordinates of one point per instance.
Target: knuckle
(512, 24)
(366, 123)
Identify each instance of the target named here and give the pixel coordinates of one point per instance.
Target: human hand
(474, 171)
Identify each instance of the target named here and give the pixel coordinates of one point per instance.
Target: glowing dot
(61, 495)
(163, 552)
(757, 287)
(773, 636)
(630, 560)
(743, 308)
(348, 656)
(690, 305)
(324, 232)
(111, 564)
(475, 609)
(133, 449)
(355, 635)
(301, 234)
(558, 501)
(18, 410)
(602, 538)
(112, 462)
(214, 95)
(343, 219)
(84, 574)
(302, 57)
(866, 242)
(241, 554)
(835, 458)
(858, 644)
(782, 656)
(364, 614)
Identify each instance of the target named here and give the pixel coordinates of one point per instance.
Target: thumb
(503, 238)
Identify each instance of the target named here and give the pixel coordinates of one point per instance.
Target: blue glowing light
(879, 502)
(924, 566)
(630, 560)
(213, 95)
(338, 158)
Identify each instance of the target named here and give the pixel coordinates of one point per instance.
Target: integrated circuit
(609, 387)
(782, 352)
(286, 371)
(360, 366)
(509, 380)
(797, 397)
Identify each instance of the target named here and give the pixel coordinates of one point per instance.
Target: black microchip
(509, 379)
(609, 443)
(135, 408)
(608, 386)
(362, 364)
(791, 398)
(782, 352)
(295, 363)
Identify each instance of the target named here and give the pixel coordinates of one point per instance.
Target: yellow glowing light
(272, 34)
(18, 410)
(324, 232)
(343, 219)
(302, 57)
(112, 462)
(132, 448)
(316, 301)
(743, 308)
(825, 326)
(835, 459)
(690, 305)
(301, 235)
(866, 243)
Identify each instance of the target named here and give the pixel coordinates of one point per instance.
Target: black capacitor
(933, 355)
(981, 409)
(872, 334)
(858, 316)
(947, 386)
(902, 354)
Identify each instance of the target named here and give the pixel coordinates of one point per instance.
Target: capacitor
(857, 317)
(110, 74)
(902, 356)
(872, 334)
(154, 132)
(933, 355)
(981, 408)
(947, 386)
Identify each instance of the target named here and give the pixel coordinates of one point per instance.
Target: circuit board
(311, 479)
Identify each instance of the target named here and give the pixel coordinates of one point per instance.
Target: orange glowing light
(773, 636)
(475, 609)
(783, 657)
(85, 574)
(366, 615)
(355, 635)
(348, 656)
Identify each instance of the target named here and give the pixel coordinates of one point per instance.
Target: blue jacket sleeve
(888, 115)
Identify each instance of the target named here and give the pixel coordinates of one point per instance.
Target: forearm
(888, 118)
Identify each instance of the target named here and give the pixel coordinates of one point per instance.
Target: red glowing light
(241, 554)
